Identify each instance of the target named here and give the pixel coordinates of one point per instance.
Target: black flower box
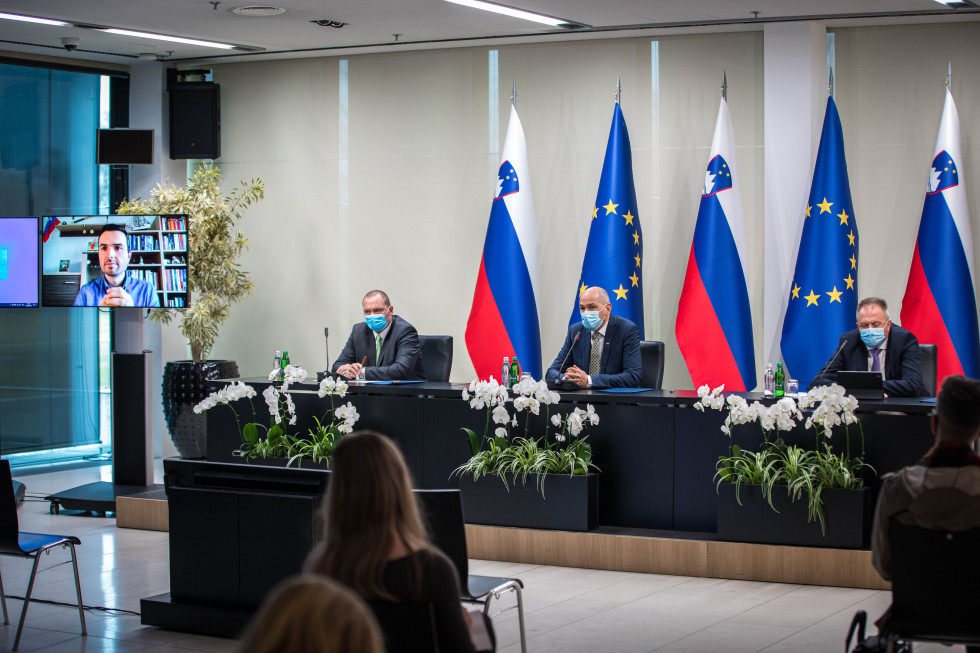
(559, 502)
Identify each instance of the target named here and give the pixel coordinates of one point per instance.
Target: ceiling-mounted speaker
(195, 121)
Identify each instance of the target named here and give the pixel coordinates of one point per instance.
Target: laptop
(863, 385)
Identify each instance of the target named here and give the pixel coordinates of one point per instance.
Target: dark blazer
(620, 364)
(401, 356)
(903, 374)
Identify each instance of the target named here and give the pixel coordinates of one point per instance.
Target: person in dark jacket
(387, 345)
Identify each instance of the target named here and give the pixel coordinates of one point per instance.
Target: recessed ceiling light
(511, 11)
(34, 19)
(258, 11)
(173, 39)
(957, 4)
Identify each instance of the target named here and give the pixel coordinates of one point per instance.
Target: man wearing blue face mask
(877, 345)
(387, 345)
(603, 351)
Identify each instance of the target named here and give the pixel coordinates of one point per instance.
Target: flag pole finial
(949, 75)
(724, 86)
(618, 89)
(513, 95)
(830, 82)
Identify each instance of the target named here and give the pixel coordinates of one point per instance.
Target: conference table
(656, 453)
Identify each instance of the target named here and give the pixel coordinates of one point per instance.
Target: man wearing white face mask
(877, 345)
(603, 351)
(384, 344)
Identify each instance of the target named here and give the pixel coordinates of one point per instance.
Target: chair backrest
(9, 526)
(407, 627)
(934, 578)
(443, 514)
(928, 357)
(652, 361)
(437, 356)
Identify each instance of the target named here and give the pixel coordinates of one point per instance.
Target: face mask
(591, 320)
(376, 322)
(872, 337)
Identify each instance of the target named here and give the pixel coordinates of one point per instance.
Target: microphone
(832, 358)
(560, 383)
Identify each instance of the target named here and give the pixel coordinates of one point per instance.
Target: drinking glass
(792, 388)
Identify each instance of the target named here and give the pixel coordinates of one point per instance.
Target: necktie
(875, 362)
(596, 357)
(377, 348)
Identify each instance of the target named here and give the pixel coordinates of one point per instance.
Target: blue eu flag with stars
(823, 298)
(614, 253)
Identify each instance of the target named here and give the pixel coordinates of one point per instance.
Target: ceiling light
(173, 39)
(258, 11)
(34, 19)
(510, 11)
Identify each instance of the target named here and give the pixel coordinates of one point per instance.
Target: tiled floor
(566, 609)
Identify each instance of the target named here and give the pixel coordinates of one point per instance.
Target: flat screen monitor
(124, 146)
(87, 260)
(19, 257)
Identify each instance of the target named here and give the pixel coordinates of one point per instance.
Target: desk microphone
(560, 383)
(832, 358)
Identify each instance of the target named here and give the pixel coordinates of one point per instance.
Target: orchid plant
(275, 441)
(803, 472)
(510, 448)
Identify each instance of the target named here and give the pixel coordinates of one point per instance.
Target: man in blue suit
(389, 344)
(877, 345)
(605, 348)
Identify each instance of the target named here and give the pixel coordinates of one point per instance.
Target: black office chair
(437, 356)
(934, 577)
(652, 360)
(13, 542)
(443, 511)
(407, 627)
(928, 362)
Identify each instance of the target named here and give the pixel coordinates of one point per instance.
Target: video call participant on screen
(387, 345)
(877, 345)
(605, 348)
(115, 287)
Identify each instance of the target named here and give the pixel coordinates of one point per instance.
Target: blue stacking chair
(28, 545)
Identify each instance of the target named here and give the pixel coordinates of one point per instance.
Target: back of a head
(311, 614)
(958, 409)
(369, 504)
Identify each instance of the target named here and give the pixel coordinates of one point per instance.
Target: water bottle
(768, 381)
(283, 365)
(277, 365)
(780, 388)
(515, 372)
(505, 372)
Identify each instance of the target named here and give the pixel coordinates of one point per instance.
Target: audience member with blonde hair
(312, 614)
(375, 543)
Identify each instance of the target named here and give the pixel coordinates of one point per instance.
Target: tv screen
(19, 252)
(114, 261)
(124, 146)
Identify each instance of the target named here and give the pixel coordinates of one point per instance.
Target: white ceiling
(371, 25)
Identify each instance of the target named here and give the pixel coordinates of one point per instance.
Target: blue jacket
(903, 373)
(620, 365)
(401, 356)
(144, 296)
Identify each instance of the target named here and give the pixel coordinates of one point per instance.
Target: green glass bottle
(515, 372)
(780, 388)
(283, 365)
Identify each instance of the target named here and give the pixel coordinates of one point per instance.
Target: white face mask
(591, 320)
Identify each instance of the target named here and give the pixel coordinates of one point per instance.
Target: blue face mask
(591, 320)
(872, 337)
(376, 322)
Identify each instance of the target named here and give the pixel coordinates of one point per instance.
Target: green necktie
(377, 349)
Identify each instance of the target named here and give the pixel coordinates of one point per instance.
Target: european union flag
(614, 253)
(823, 299)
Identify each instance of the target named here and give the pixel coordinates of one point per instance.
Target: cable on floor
(100, 608)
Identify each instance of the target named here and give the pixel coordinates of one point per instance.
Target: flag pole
(618, 89)
(513, 95)
(949, 76)
(724, 86)
(830, 82)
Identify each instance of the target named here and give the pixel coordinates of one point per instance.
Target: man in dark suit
(877, 345)
(605, 348)
(389, 344)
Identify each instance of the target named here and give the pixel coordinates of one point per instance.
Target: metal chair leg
(78, 589)
(516, 587)
(27, 600)
(3, 602)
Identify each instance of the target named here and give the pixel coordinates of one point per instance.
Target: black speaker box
(195, 121)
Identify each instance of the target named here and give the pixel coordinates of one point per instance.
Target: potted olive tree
(215, 282)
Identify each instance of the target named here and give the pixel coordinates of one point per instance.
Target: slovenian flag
(823, 299)
(940, 305)
(504, 318)
(614, 253)
(714, 319)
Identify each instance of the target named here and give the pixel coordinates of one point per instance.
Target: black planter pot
(185, 384)
(846, 513)
(302, 463)
(570, 503)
